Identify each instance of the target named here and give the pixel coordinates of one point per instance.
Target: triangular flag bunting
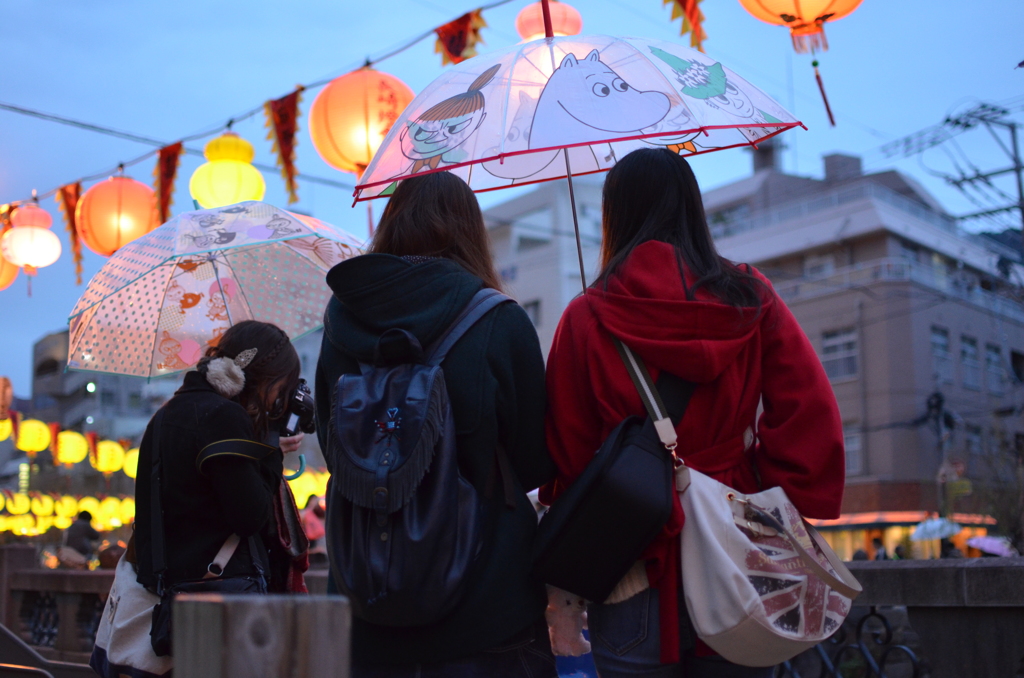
(283, 121)
(457, 40)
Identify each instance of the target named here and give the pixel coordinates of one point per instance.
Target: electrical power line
(369, 61)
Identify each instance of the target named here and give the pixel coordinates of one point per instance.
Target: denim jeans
(525, 655)
(626, 641)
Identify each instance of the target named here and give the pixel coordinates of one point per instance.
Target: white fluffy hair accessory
(225, 375)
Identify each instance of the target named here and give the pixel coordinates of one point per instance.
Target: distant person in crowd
(666, 293)
(313, 520)
(428, 258)
(947, 549)
(879, 548)
(899, 553)
(82, 536)
(860, 554)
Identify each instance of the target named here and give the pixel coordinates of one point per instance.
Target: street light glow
(91, 387)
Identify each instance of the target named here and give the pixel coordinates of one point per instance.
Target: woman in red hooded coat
(665, 292)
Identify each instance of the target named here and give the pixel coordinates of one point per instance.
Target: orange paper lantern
(8, 273)
(805, 19)
(351, 116)
(565, 20)
(114, 212)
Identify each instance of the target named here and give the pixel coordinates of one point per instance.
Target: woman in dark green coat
(429, 257)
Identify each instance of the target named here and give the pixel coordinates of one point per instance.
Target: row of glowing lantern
(71, 447)
(347, 123)
(35, 513)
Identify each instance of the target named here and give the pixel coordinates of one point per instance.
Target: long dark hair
(276, 363)
(652, 194)
(437, 215)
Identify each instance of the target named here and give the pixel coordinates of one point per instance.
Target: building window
(135, 400)
(854, 458)
(1017, 365)
(534, 229)
(942, 362)
(970, 363)
(839, 353)
(972, 440)
(819, 266)
(994, 371)
(532, 309)
(47, 367)
(108, 398)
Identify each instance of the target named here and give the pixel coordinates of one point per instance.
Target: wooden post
(251, 636)
(13, 558)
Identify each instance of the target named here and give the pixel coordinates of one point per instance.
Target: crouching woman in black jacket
(219, 467)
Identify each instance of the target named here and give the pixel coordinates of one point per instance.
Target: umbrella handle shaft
(549, 31)
(575, 220)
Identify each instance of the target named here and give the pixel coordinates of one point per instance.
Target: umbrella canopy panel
(500, 119)
(161, 302)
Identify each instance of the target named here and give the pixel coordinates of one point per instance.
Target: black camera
(299, 412)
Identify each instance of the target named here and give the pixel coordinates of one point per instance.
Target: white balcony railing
(900, 270)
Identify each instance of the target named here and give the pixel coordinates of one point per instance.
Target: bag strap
(679, 391)
(482, 302)
(234, 447)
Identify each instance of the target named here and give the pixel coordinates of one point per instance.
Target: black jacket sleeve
(515, 358)
(244, 487)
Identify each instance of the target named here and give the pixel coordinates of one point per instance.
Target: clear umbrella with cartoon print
(557, 107)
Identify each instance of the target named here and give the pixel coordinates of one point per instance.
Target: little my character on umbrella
(446, 126)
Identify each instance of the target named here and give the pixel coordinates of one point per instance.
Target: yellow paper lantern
(131, 463)
(303, 487)
(351, 116)
(42, 505)
(127, 510)
(33, 436)
(90, 504)
(6, 428)
(228, 176)
(62, 523)
(30, 246)
(72, 448)
(109, 457)
(66, 507)
(8, 274)
(114, 212)
(110, 512)
(18, 504)
(565, 20)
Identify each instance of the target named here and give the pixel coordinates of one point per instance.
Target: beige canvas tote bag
(761, 585)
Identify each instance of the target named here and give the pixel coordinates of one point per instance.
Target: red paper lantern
(114, 212)
(31, 214)
(565, 20)
(351, 116)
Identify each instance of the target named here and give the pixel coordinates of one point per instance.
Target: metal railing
(896, 269)
(866, 649)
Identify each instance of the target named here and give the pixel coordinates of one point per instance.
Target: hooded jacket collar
(645, 307)
(376, 292)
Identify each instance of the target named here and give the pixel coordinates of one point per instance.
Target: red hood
(645, 307)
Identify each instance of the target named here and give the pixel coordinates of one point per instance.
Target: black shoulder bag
(212, 582)
(594, 532)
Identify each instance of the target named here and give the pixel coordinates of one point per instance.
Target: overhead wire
(129, 136)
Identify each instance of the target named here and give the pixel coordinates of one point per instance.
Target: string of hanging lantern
(368, 62)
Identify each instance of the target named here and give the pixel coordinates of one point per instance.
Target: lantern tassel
(821, 88)
(809, 42)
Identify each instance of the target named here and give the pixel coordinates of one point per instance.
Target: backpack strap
(482, 302)
(156, 509)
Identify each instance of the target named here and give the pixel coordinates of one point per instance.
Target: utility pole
(989, 116)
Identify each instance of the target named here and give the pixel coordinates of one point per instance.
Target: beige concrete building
(919, 325)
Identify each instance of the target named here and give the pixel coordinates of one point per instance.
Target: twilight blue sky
(170, 69)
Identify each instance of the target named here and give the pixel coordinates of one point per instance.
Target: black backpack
(403, 525)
